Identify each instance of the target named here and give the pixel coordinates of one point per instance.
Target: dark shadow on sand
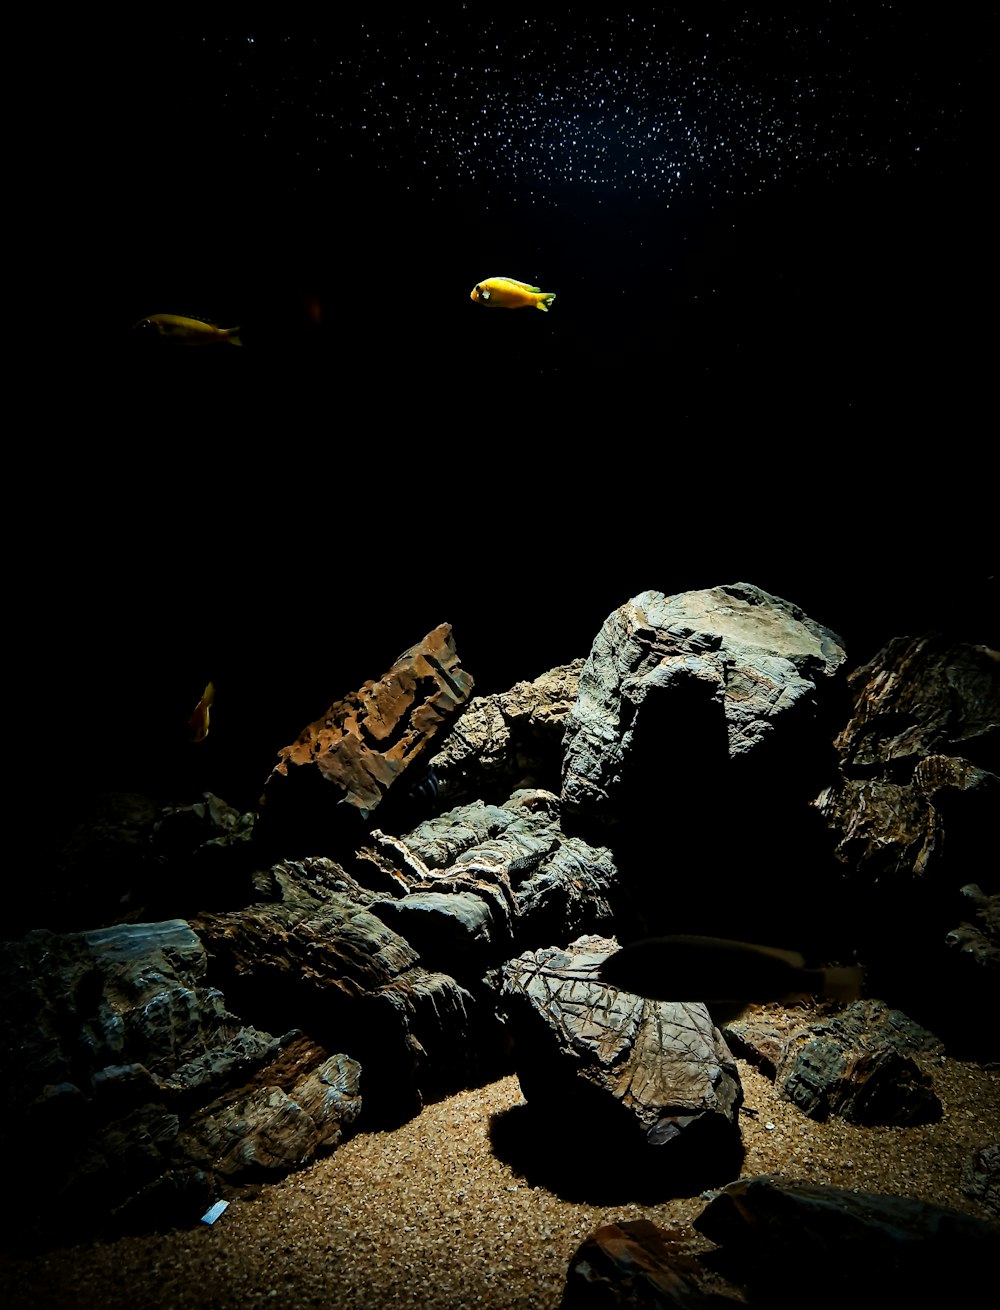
(579, 1161)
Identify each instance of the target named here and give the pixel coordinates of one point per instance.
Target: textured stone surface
(981, 1177)
(656, 1076)
(482, 881)
(861, 1065)
(314, 957)
(862, 1246)
(118, 1038)
(913, 820)
(509, 741)
(266, 1132)
(353, 754)
(918, 759)
(704, 676)
(979, 942)
(634, 1264)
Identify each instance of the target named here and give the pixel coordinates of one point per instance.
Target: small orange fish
(508, 293)
(198, 722)
(181, 331)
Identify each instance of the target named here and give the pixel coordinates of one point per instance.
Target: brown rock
(847, 1247)
(636, 1265)
(350, 757)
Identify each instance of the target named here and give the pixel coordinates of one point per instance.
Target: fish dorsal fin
(525, 286)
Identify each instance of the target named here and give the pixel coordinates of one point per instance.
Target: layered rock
(122, 1043)
(345, 762)
(863, 1064)
(482, 881)
(913, 816)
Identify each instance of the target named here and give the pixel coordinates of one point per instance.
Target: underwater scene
(506, 654)
(734, 215)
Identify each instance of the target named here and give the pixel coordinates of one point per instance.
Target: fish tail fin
(843, 983)
(545, 304)
(233, 336)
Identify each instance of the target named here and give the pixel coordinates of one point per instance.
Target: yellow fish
(182, 331)
(198, 722)
(508, 293)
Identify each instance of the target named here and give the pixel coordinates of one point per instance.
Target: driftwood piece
(657, 1077)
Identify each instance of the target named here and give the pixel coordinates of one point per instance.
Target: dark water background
(767, 359)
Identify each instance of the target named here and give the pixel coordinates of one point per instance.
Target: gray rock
(118, 1038)
(482, 881)
(846, 1247)
(918, 758)
(266, 1132)
(706, 676)
(858, 1065)
(315, 957)
(509, 741)
(912, 816)
(657, 1077)
(981, 1177)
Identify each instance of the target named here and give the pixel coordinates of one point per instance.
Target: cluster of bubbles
(603, 105)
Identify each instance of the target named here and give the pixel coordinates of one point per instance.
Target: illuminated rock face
(349, 758)
(656, 1075)
(690, 683)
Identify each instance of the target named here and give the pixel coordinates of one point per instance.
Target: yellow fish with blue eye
(508, 293)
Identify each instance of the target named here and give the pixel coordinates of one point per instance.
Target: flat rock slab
(656, 1077)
